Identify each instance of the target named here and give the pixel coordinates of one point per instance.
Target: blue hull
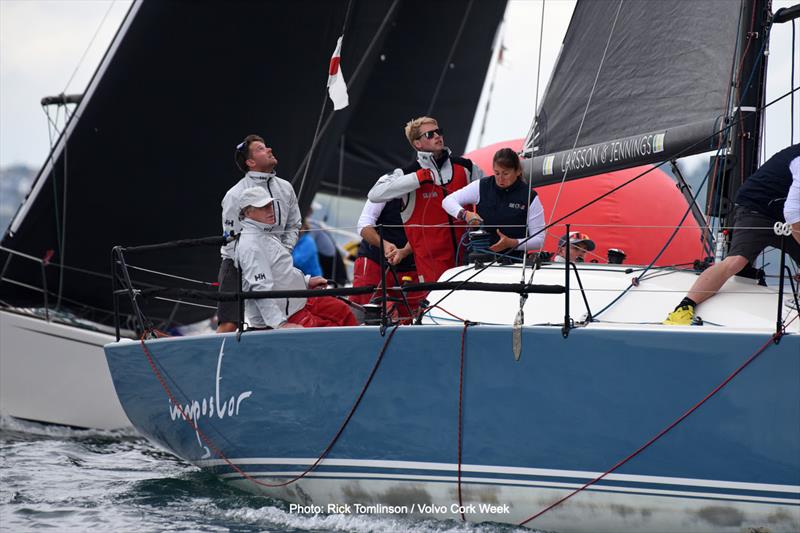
(533, 429)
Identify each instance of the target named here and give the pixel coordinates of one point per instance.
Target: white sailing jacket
(267, 266)
(287, 213)
(400, 183)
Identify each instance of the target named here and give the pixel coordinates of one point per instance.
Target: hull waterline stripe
(413, 465)
(520, 483)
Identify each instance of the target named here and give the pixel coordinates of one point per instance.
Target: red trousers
(322, 312)
(368, 272)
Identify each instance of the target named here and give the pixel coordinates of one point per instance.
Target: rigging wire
(89, 46)
(791, 84)
(530, 184)
(636, 280)
(588, 103)
(320, 131)
(686, 150)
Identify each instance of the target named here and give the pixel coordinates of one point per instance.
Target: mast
(749, 91)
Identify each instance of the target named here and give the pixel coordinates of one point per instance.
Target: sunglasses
(431, 134)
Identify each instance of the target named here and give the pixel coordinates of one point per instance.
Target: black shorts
(228, 280)
(753, 232)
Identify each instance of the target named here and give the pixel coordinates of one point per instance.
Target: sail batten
(666, 69)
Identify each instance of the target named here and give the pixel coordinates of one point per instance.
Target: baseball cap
(254, 196)
(575, 238)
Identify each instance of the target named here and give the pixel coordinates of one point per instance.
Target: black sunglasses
(432, 133)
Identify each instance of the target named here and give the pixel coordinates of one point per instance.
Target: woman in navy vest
(501, 205)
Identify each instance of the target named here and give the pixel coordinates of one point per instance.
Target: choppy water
(68, 480)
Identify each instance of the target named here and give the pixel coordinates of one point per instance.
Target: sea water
(70, 480)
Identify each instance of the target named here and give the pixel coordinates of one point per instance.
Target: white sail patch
(211, 406)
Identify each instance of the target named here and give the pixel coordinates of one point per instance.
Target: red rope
(426, 309)
(460, 411)
(219, 452)
(664, 431)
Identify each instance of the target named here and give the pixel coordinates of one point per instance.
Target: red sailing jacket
(436, 249)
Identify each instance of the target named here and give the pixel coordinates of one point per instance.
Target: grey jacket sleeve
(229, 213)
(394, 185)
(294, 220)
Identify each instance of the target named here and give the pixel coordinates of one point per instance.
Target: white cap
(255, 197)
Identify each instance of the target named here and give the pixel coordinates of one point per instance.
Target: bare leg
(226, 327)
(796, 231)
(715, 277)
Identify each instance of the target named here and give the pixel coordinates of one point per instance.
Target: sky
(53, 46)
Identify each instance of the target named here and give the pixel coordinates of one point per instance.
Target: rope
(791, 84)
(307, 160)
(219, 452)
(772, 340)
(635, 281)
(321, 115)
(615, 189)
(588, 103)
(91, 41)
(530, 187)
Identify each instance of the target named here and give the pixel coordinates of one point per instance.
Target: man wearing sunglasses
(579, 245)
(433, 234)
(256, 159)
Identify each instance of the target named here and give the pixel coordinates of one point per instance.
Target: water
(69, 480)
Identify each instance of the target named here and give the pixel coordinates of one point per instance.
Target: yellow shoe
(682, 316)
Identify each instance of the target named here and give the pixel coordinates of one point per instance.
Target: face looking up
(261, 158)
(430, 139)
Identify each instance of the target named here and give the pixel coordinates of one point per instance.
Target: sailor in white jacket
(267, 266)
(258, 160)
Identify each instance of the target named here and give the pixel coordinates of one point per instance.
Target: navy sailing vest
(766, 190)
(504, 207)
(390, 216)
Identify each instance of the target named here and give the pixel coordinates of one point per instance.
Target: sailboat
(553, 399)
(152, 140)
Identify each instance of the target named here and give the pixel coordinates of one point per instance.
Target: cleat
(682, 316)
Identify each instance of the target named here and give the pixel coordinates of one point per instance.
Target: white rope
(530, 178)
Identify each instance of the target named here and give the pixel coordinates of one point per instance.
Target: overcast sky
(49, 46)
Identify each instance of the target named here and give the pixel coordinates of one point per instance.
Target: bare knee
(733, 264)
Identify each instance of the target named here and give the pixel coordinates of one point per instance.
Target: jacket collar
(427, 160)
(256, 226)
(259, 175)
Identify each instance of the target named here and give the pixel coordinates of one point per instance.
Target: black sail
(662, 88)
(148, 154)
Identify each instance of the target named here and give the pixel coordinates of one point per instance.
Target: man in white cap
(267, 266)
(257, 160)
(579, 244)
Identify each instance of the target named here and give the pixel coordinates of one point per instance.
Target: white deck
(741, 304)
